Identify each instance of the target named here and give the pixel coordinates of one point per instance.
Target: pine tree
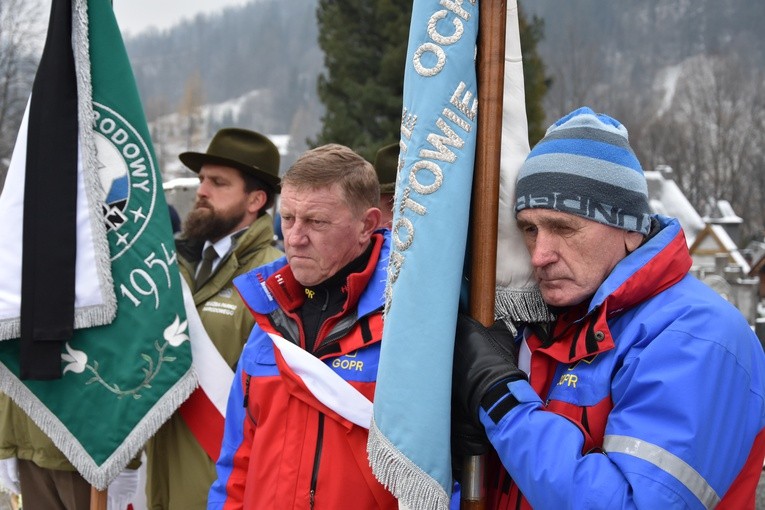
(364, 44)
(535, 82)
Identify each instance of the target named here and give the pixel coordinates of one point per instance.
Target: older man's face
(322, 234)
(571, 255)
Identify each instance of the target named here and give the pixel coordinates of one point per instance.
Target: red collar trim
(290, 294)
(666, 268)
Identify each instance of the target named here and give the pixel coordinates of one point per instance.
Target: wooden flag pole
(97, 499)
(485, 203)
(485, 200)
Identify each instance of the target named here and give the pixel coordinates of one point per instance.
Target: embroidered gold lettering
(569, 380)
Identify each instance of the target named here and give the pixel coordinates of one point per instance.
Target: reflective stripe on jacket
(652, 397)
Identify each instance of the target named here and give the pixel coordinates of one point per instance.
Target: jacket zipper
(246, 391)
(585, 420)
(316, 343)
(246, 403)
(317, 460)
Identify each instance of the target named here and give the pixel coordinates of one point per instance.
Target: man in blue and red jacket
(648, 390)
(300, 406)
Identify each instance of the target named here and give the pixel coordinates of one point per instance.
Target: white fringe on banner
(517, 297)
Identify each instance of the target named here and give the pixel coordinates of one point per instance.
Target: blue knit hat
(584, 165)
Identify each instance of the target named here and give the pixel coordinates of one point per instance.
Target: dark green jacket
(223, 314)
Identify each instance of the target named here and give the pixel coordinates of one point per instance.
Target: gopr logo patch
(128, 178)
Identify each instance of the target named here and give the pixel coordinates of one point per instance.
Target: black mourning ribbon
(49, 246)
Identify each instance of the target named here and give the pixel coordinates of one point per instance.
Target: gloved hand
(9, 475)
(483, 358)
(122, 490)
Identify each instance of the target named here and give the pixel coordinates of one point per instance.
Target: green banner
(120, 381)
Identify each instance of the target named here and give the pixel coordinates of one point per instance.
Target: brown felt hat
(242, 149)
(386, 166)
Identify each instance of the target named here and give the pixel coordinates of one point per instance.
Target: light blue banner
(409, 439)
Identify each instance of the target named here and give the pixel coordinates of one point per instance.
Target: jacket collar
(657, 264)
(290, 294)
(245, 244)
(367, 291)
(582, 331)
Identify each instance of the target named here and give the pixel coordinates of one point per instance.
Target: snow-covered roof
(730, 246)
(665, 197)
(715, 240)
(723, 214)
(756, 250)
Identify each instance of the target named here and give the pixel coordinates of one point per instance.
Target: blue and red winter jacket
(650, 396)
(282, 448)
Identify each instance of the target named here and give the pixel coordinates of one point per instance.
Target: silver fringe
(98, 476)
(514, 306)
(413, 487)
(96, 315)
(102, 314)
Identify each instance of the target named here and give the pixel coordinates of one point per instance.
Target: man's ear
(632, 240)
(256, 199)
(371, 221)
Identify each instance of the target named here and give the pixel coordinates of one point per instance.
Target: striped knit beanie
(584, 165)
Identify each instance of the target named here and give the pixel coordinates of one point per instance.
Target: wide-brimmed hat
(386, 166)
(242, 149)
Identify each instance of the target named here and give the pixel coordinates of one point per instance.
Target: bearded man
(227, 234)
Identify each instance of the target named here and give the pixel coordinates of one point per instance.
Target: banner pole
(97, 499)
(485, 200)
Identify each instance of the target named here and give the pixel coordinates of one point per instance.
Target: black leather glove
(483, 358)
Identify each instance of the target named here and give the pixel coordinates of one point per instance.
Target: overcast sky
(135, 16)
